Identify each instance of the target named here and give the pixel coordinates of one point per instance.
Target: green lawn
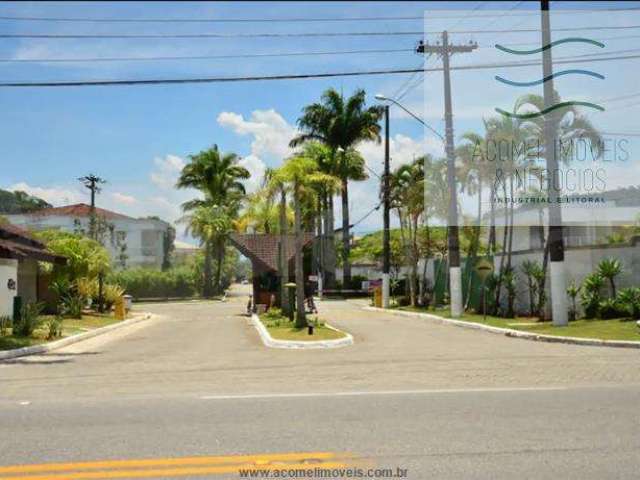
(70, 326)
(616, 329)
(282, 329)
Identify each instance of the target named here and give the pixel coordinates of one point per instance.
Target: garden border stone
(509, 332)
(63, 342)
(271, 342)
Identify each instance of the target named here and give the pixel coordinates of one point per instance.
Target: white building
(132, 242)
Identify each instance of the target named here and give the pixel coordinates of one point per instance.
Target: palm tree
(341, 124)
(219, 178)
(566, 124)
(300, 172)
(212, 225)
(609, 269)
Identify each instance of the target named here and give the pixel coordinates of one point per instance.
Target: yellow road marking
(234, 461)
(173, 472)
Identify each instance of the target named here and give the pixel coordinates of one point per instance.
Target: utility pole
(445, 50)
(386, 259)
(93, 182)
(555, 239)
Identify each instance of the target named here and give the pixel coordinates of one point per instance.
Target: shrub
(111, 294)
(590, 296)
(404, 301)
(273, 313)
(29, 319)
(5, 323)
(572, 291)
(72, 305)
(147, 283)
(87, 288)
(610, 268)
(54, 327)
(629, 301)
(610, 308)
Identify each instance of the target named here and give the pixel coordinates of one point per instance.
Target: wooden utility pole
(445, 50)
(93, 182)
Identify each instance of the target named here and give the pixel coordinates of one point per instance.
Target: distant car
(245, 282)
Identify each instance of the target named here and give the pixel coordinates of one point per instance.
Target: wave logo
(541, 81)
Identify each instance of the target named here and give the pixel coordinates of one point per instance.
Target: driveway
(210, 348)
(441, 401)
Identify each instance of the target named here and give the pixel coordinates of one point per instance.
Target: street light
(386, 235)
(382, 98)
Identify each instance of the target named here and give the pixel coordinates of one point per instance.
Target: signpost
(484, 268)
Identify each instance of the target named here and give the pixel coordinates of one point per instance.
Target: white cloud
(402, 149)
(271, 132)
(55, 195)
(257, 168)
(167, 171)
(271, 136)
(123, 198)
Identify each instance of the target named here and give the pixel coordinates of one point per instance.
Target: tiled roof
(263, 247)
(18, 243)
(78, 210)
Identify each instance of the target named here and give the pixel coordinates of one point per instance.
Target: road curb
(509, 332)
(63, 342)
(271, 342)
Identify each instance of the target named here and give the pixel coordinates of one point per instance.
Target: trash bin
(17, 308)
(128, 301)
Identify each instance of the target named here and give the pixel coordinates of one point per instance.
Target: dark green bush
(611, 308)
(29, 320)
(629, 301)
(404, 301)
(147, 283)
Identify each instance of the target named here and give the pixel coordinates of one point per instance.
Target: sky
(139, 137)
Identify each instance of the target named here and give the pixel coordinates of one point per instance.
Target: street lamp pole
(386, 256)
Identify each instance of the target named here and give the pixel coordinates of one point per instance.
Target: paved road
(440, 401)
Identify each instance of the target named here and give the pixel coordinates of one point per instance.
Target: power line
(87, 83)
(290, 35)
(253, 55)
(288, 20)
(202, 57)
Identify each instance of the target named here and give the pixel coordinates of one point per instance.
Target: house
(19, 257)
(131, 242)
(183, 252)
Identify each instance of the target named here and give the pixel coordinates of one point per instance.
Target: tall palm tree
(566, 124)
(301, 173)
(219, 178)
(341, 124)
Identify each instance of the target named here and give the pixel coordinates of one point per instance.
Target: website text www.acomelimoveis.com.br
(318, 472)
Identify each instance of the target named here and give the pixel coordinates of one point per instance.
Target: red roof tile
(263, 247)
(18, 243)
(78, 210)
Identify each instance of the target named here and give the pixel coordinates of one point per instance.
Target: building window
(150, 242)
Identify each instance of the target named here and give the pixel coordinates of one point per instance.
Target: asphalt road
(438, 401)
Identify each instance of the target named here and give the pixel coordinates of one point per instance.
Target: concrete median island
(279, 332)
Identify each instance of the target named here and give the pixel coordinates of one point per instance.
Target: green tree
(301, 173)
(342, 124)
(219, 178)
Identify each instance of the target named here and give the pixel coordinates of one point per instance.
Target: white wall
(8, 270)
